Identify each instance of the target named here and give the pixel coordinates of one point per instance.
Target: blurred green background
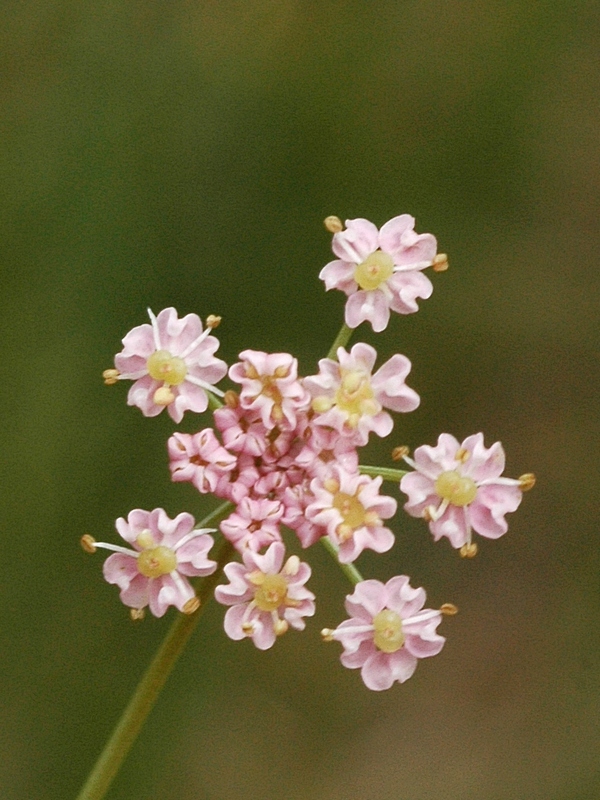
(185, 153)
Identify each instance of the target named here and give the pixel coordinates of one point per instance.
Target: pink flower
(457, 488)
(349, 399)
(200, 459)
(270, 387)
(164, 551)
(381, 270)
(350, 508)
(266, 596)
(387, 632)
(254, 524)
(172, 363)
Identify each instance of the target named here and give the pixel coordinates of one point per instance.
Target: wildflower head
(381, 271)
(172, 364)
(388, 631)
(458, 488)
(266, 596)
(164, 552)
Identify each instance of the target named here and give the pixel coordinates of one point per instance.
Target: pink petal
(358, 241)
(339, 275)
(367, 600)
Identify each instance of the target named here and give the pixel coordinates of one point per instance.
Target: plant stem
(387, 473)
(341, 340)
(153, 680)
(349, 570)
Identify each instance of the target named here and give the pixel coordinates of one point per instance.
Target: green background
(159, 153)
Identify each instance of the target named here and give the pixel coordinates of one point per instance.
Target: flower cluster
(283, 454)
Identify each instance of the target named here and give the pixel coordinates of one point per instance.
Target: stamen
(192, 535)
(292, 565)
(116, 549)
(448, 609)
(204, 385)
(111, 376)
(231, 399)
(400, 452)
(193, 604)
(163, 396)
(468, 550)
(527, 481)
(462, 455)
(197, 341)
(213, 321)
(440, 263)
(333, 224)
(88, 543)
(155, 333)
(280, 626)
(137, 614)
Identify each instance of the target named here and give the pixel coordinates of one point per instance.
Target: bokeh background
(185, 153)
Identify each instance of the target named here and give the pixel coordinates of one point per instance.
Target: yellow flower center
(351, 509)
(271, 593)
(156, 561)
(162, 366)
(388, 631)
(457, 489)
(355, 395)
(374, 270)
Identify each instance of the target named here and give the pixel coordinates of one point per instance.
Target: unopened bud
(137, 614)
(398, 453)
(440, 263)
(88, 543)
(468, 550)
(449, 609)
(213, 321)
(193, 604)
(333, 224)
(110, 376)
(527, 481)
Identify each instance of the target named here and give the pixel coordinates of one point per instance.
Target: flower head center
(457, 489)
(351, 509)
(162, 366)
(355, 395)
(156, 561)
(388, 631)
(374, 270)
(271, 593)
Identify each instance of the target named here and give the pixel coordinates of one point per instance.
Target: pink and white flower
(380, 271)
(199, 458)
(348, 398)
(165, 552)
(270, 386)
(457, 488)
(172, 364)
(254, 524)
(266, 596)
(351, 510)
(388, 631)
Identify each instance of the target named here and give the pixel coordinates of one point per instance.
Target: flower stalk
(153, 680)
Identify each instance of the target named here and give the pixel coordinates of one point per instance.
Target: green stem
(341, 340)
(147, 691)
(349, 570)
(214, 402)
(387, 473)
